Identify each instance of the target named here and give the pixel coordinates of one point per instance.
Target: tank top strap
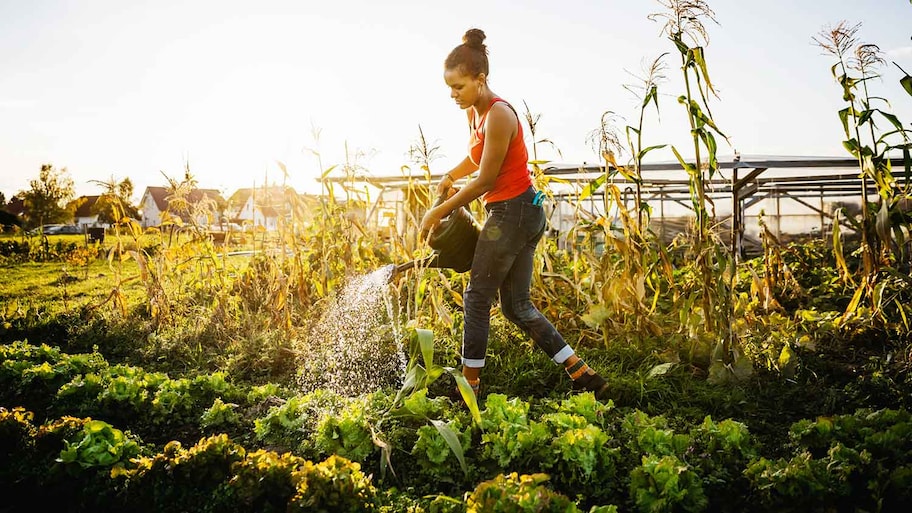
(476, 122)
(505, 102)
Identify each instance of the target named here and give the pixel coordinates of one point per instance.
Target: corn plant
(684, 27)
(885, 227)
(123, 225)
(649, 84)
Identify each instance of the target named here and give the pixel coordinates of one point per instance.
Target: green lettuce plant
(666, 484)
(101, 445)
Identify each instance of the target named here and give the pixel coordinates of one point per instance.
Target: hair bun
(474, 38)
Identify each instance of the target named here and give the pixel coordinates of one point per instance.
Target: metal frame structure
(750, 182)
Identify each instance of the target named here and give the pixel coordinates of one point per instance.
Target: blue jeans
(503, 262)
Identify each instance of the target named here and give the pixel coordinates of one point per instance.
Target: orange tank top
(514, 177)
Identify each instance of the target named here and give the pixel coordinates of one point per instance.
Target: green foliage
(418, 404)
(586, 405)
(584, 455)
(665, 484)
(220, 415)
(46, 249)
(258, 393)
(334, 485)
(434, 453)
(346, 432)
(796, 484)
(103, 466)
(17, 435)
(512, 493)
(290, 425)
(47, 197)
(863, 458)
(179, 479)
(265, 481)
(650, 435)
(100, 446)
(508, 437)
(884, 433)
(421, 372)
(500, 411)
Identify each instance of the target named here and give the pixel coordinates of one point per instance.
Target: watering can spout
(420, 262)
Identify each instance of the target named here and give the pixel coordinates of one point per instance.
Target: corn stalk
(884, 224)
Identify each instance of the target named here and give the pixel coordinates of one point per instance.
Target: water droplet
(356, 347)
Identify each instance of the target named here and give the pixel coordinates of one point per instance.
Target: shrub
(512, 493)
(665, 484)
(337, 485)
(435, 457)
(220, 415)
(265, 481)
(179, 479)
(346, 432)
(17, 435)
(100, 446)
(864, 458)
(290, 425)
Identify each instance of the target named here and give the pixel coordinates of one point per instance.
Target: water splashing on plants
(355, 348)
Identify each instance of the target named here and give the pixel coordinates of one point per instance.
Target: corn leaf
(426, 343)
(592, 187)
(853, 304)
(902, 313)
(328, 171)
(468, 395)
(891, 118)
(906, 83)
(882, 223)
(690, 168)
(837, 249)
(699, 59)
(644, 151)
(452, 441)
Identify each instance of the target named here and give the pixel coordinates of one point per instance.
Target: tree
(2, 201)
(48, 196)
(115, 202)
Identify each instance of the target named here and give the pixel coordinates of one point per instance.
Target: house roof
(160, 196)
(269, 212)
(85, 207)
(273, 196)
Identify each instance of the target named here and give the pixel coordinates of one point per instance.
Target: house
(262, 206)
(202, 206)
(85, 214)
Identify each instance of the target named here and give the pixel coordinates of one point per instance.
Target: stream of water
(356, 347)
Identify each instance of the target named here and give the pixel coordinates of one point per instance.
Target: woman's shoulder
(501, 110)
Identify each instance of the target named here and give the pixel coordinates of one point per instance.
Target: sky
(140, 89)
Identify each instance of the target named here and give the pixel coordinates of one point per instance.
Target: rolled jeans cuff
(474, 363)
(563, 354)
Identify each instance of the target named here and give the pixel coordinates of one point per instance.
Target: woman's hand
(430, 221)
(444, 185)
(433, 216)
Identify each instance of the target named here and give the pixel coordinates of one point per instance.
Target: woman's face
(465, 89)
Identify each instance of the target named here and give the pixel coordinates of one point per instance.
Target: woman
(506, 246)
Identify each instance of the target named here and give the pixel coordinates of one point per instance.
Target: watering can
(453, 242)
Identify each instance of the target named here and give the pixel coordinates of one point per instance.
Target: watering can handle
(446, 195)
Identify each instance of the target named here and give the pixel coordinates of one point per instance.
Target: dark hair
(471, 56)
